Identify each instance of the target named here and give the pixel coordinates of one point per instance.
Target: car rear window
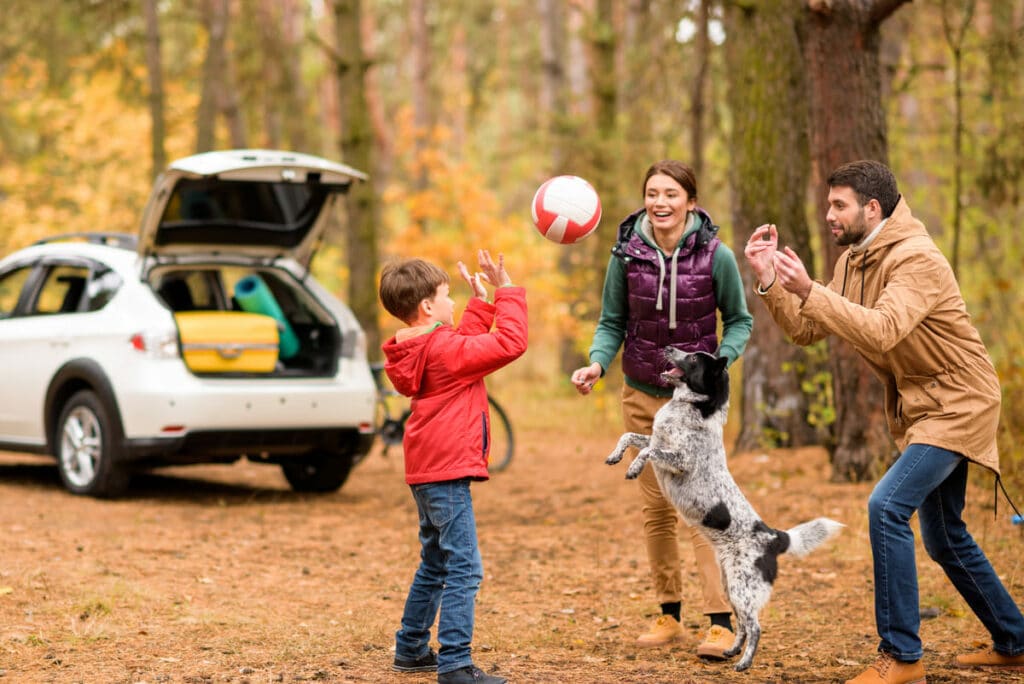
(278, 213)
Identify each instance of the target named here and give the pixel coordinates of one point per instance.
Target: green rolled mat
(254, 296)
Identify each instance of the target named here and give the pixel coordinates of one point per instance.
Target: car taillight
(159, 346)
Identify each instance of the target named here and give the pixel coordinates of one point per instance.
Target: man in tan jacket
(894, 298)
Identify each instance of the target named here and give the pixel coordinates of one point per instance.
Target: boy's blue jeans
(448, 577)
(933, 482)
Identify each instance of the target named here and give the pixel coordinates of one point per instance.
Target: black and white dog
(688, 455)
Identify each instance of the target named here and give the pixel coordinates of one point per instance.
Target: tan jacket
(898, 303)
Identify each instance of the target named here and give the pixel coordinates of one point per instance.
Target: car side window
(11, 285)
(63, 290)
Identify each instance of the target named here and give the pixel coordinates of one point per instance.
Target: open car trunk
(247, 321)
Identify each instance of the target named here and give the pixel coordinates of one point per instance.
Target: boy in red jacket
(442, 367)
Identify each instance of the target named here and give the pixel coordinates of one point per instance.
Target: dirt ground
(221, 574)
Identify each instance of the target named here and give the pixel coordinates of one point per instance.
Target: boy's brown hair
(406, 283)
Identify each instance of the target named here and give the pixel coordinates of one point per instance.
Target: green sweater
(729, 295)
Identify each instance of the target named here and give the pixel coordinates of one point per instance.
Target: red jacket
(446, 437)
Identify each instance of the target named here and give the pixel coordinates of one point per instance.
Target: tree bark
(154, 65)
(703, 47)
(955, 39)
(357, 150)
(552, 98)
(295, 92)
(420, 92)
(770, 158)
(584, 266)
(215, 20)
(841, 54)
(273, 53)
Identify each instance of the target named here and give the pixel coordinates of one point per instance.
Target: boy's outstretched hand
(473, 280)
(493, 273)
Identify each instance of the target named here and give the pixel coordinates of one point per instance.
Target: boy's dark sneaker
(469, 675)
(425, 663)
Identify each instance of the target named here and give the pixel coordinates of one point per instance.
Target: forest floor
(221, 574)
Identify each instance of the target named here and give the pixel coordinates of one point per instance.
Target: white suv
(120, 353)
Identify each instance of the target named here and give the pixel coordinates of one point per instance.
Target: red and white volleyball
(566, 209)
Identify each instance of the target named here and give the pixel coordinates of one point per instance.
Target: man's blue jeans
(448, 577)
(933, 482)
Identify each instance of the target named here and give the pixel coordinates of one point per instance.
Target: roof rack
(123, 240)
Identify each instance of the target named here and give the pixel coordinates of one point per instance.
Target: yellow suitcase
(228, 341)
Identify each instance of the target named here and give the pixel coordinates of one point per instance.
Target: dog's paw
(614, 458)
(634, 471)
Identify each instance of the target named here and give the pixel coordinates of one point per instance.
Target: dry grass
(221, 574)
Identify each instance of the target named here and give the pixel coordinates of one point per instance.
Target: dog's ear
(720, 364)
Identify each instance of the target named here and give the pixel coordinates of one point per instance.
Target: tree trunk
(357, 150)
(154, 65)
(642, 39)
(420, 92)
(955, 39)
(230, 105)
(215, 20)
(295, 94)
(841, 53)
(268, 30)
(383, 129)
(552, 97)
(583, 266)
(703, 47)
(769, 151)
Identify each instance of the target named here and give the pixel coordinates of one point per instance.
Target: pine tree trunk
(841, 54)
(215, 21)
(357, 150)
(770, 158)
(154, 65)
(584, 267)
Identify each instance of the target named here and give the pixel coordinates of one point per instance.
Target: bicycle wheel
(502, 440)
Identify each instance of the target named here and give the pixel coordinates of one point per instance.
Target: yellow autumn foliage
(93, 170)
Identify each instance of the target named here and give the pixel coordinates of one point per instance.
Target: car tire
(87, 446)
(319, 471)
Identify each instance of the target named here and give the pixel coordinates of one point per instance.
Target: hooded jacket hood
(407, 358)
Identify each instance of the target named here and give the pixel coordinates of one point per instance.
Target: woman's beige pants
(662, 525)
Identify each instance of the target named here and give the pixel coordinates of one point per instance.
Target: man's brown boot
(888, 670)
(666, 630)
(991, 659)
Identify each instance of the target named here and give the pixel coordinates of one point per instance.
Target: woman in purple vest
(668, 279)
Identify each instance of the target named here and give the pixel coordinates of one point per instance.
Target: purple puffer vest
(647, 326)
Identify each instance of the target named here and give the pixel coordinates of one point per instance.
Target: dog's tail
(808, 536)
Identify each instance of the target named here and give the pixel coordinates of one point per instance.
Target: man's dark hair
(869, 180)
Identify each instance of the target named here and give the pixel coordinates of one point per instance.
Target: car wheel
(319, 471)
(87, 446)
